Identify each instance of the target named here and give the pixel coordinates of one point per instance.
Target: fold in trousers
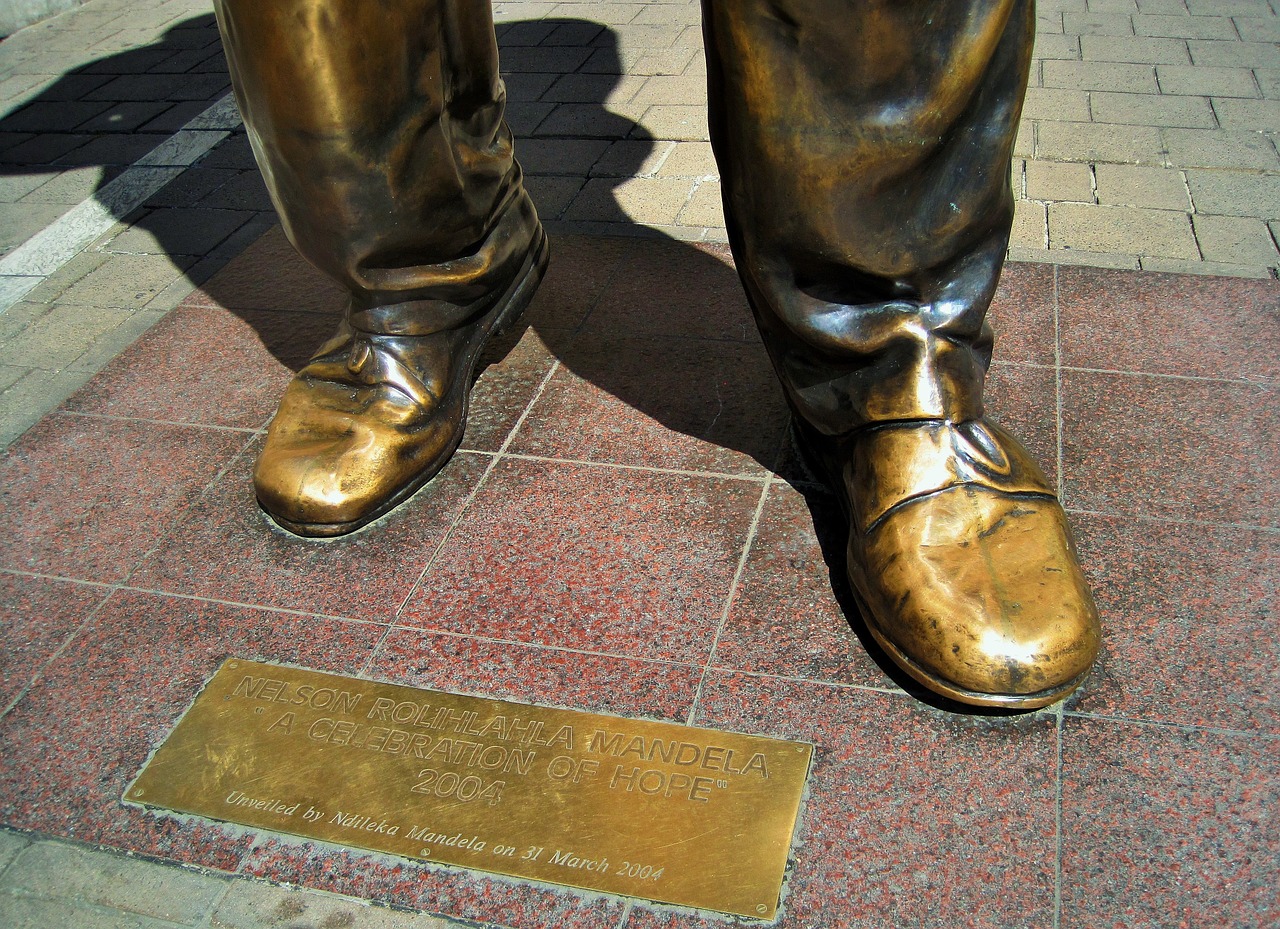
(864, 151)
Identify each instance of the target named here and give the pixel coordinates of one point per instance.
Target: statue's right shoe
(374, 416)
(960, 556)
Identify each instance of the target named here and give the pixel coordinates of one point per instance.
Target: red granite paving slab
(271, 275)
(787, 618)
(86, 498)
(1189, 618)
(84, 730)
(228, 549)
(528, 674)
(675, 289)
(1170, 324)
(206, 365)
(683, 404)
(1171, 447)
(510, 375)
(580, 270)
(1022, 314)
(604, 559)
(1165, 826)
(37, 616)
(1024, 400)
(450, 892)
(914, 817)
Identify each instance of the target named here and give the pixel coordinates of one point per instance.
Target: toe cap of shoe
(978, 593)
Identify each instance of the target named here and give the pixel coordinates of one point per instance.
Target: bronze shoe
(961, 557)
(374, 415)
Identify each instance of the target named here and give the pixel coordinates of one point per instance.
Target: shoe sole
(514, 302)
(937, 685)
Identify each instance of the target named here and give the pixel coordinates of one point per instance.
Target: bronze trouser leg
(864, 149)
(378, 127)
(379, 131)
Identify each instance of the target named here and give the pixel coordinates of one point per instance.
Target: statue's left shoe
(961, 557)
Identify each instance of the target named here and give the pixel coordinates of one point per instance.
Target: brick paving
(133, 557)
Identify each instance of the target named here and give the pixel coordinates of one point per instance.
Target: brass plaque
(644, 809)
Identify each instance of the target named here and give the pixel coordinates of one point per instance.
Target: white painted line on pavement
(23, 269)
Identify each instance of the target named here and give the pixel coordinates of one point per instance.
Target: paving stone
(1213, 268)
(1166, 7)
(681, 123)
(1204, 81)
(639, 61)
(1101, 75)
(1134, 49)
(112, 342)
(1052, 46)
(555, 60)
(690, 159)
(32, 913)
(72, 185)
(1123, 230)
(594, 88)
(643, 199)
(1108, 24)
(59, 870)
(122, 149)
(1094, 142)
(45, 147)
(10, 844)
(1235, 240)
(125, 117)
(1149, 110)
(162, 87)
(126, 281)
(20, 221)
(584, 120)
(1235, 113)
(191, 231)
(1126, 7)
(552, 195)
(679, 89)
(1054, 181)
(1234, 54)
(633, 158)
(254, 905)
(1235, 193)
(1184, 27)
(54, 116)
(1024, 143)
(1030, 226)
(523, 118)
(1269, 82)
(560, 156)
(1055, 103)
(27, 400)
(1205, 148)
(60, 334)
(1229, 8)
(705, 206)
(1256, 29)
(1153, 188)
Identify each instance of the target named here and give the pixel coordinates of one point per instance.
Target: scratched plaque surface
(645, 809)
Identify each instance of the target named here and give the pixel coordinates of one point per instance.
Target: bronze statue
(864, 150)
